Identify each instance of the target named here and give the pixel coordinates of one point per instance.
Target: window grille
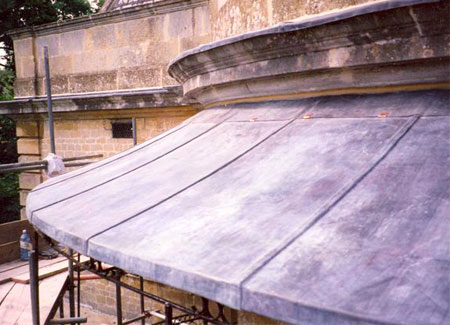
(122, 129)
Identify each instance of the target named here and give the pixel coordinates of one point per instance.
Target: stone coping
(109, 17)
(105, 100)
(386, 43)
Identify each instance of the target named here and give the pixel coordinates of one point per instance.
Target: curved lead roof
(313, 211)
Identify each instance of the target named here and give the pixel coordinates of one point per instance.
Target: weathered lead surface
(146, 186)
(382, 253)
(208, 232)
(342, 217)
(120, 167)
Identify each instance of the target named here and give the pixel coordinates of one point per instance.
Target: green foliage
(9, 198)
(6, 85)
(8, 140)
(99, 4)
(9, 183)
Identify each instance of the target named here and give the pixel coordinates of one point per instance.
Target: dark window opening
(122, 129)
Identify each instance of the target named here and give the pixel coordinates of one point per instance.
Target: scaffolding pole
(49, 101)
(34, 278)
(71, 286)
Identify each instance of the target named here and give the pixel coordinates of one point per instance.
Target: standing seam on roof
(126, 173)
(117, 158)
(199, 180)
(334, 200)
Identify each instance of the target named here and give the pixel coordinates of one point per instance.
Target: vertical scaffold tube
(71, 285)
(34, 278)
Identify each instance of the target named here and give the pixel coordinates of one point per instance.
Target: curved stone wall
(383, 44)
(233, 17)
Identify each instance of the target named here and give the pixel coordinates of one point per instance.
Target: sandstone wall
(233, 17)
(133, 53)
(84, 134)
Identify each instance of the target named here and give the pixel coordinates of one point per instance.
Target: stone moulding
(109, 17)
(381, 44)
(108, 100)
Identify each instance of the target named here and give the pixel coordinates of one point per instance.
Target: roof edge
(169, 96)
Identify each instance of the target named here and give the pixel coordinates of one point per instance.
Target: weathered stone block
(27, 129)
(139, 30)
(131, 57)
(72, 42)
(178, 24)
(60, 84)
(28, 181)
(29, 158)
(53, 44)
(166, 79)
(95, 60)
(40, 86)
(23, 197)
(139, 78)
(202, 24)
(160, 53)
(25, 67)
(100, 37)
(28, 146)
(229, 18)
(61, 65)
(23, 47)
(23, 213)
(92, 82)
(24, 87)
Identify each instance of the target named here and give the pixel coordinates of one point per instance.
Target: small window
(122, 129)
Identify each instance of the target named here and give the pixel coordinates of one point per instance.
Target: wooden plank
(12, 265)
(6, 275)
(45, 272)
(9, 251)
(11, 231)
(16, 307)
(4, 290)
(16, 303)
(48, 291)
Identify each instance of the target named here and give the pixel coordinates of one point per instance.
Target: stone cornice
(110, 17)
(374, 45)
(98, 101)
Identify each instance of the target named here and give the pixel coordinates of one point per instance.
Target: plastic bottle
(25, 246)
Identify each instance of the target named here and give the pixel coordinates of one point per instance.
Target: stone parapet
(127, 49)
(156, 8)
(381, 44)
